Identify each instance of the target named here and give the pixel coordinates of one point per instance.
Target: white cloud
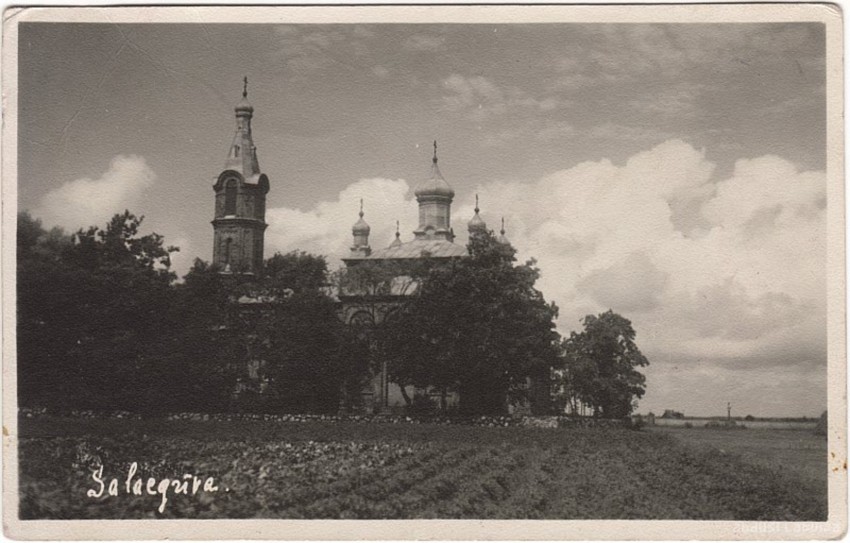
(85, 202)
(605, 237)
(481, 98)
(182, 260)
(381, 72)
(424, 42)
(748, 294)
(326, 229)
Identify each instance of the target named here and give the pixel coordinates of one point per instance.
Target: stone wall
(489, 421)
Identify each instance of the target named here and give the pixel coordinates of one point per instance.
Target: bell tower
(240, 201)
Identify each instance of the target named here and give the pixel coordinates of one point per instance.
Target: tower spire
(242, 156)
(434, 160)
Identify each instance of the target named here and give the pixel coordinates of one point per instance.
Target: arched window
(230, 197)
(227, 251)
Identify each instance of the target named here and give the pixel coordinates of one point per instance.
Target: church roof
(419, 248)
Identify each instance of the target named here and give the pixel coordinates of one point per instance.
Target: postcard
(523, 272)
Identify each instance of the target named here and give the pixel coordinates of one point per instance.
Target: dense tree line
(103, 324)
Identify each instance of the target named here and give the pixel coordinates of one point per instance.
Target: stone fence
(549, 421)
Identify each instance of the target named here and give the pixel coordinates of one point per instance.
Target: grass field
(798, 451)
(350, 470)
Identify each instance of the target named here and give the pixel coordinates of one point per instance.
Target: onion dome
(434, 185)
(397, 241)
(244, 105)
(477, 224)
(361, 227)
(502, 238)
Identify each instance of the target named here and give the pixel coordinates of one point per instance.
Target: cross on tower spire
(434, 160)
(245, 87)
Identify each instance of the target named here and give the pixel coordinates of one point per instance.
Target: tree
(90, 307)
(600, 366)
(297, 271)
(476, 325)
(275, 340)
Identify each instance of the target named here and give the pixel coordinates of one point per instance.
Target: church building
(239, 226)
(433, 239)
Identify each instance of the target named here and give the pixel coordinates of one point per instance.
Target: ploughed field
(217, 469)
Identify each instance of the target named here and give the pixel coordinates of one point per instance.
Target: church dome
(502, 238)
(397, 241)
(434, 185)
(244, 105)
(476, 223)
(361, 226)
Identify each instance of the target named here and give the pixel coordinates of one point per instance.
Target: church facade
(434, 240)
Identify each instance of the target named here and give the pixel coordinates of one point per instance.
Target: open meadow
(380, 471)
(798, 451)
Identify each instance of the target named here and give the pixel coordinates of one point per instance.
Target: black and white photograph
(472, 263)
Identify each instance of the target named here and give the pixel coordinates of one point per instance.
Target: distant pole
(728, 410)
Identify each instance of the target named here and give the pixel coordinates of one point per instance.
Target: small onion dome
(397, 241)
(361, 227)
(502, 238)
(477, 223)
(243, 104)
(435, 185)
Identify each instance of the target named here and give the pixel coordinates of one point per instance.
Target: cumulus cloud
(85, 202)
(615, 286)
(747, 293)
(326, 229)
(607, 236)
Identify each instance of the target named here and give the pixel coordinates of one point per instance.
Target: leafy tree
(600, 366)
(89, 307)
(102, 325)
(275, 339)
(476, 325)
(297, 271)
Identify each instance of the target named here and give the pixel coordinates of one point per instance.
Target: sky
(673, 173)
